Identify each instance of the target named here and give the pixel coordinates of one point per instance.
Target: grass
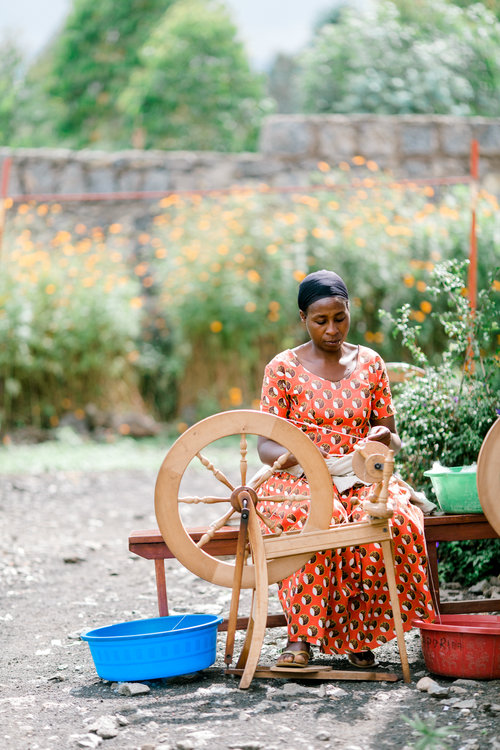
(69, 452)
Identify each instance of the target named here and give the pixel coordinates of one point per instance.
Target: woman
(339, 394)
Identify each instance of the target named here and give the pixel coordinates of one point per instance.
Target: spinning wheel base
(316, 673)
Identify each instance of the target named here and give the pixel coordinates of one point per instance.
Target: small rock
(133, 688)
(478, 588)
(428, 685)
(56, 678)
(457, 689)
(87, 740)
(491, 708)
(323, 736)
(471, 703)
(466, 683)
(122, 721)
(105, 727)
(186, 744)
(292, 688)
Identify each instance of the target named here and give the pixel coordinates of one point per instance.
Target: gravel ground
(65, 568)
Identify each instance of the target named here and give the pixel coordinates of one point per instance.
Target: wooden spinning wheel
(488, 476)
(276, 555)
(197, 438)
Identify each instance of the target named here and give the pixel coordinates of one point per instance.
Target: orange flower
(299, 275)
(136, 303)
(358, 160)
(235, 396)
(50, 289)
(216, 326)
(426, 307)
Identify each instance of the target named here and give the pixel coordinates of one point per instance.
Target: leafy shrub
(69, 318)
(403, 58)
(226, 270)
(445, 414)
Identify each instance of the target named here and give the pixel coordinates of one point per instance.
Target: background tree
(89, 64)
(11, 63)
(427, 57)
(193, 87)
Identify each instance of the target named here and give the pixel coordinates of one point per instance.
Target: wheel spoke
(216, 472)
(215, 526)
(243, 460)
(277, 465)
(208, 500)
(267, 522)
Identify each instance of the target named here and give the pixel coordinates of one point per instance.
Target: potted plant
(445, 411)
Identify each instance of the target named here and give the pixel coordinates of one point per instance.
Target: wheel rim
(198, 437)
(488, 476)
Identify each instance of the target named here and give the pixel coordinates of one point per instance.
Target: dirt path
(65, 568)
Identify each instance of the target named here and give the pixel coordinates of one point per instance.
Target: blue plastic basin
(154, 648)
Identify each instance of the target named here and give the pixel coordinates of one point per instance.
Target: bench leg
(161, 588)
(433, 575)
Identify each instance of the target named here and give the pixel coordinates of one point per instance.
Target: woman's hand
(380, 434)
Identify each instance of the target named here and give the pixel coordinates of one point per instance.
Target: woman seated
(338, 394)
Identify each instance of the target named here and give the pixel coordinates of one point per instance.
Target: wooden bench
(150, 545)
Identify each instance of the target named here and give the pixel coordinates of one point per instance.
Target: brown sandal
(362, 659)
(304, 654)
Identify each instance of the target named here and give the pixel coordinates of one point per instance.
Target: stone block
(418, 139)
(39, 176)
(376, 138)
(488, 135)
(100, 179)
(70, 178)
(130, 180)
(287, 135)
(456, 138)
(417, 168)
(337, 141)
(156, 179)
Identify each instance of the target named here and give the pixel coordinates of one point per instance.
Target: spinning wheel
(488, 476)
(190, 445)
(264, 559)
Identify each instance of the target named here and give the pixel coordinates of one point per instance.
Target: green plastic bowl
(455, 488)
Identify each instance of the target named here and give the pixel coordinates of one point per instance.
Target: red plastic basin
(465, 646)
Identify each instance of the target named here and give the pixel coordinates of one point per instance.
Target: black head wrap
(318, 285)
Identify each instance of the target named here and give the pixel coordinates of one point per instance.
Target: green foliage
(445, 415)
(468, 562)
(90, 63)
(403, 58)
(193, 88)
(430, 736)
(10, 80)
(67, 330)
(142, 73)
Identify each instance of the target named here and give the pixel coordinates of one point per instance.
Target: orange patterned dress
(340, 599)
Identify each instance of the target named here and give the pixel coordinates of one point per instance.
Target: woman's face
(327, 322)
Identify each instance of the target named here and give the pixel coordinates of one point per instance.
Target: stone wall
(290, 148)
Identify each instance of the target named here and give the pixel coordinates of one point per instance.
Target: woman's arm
(269, 452)
(385, 431)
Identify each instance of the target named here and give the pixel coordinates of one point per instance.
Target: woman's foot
(296, 654)
(362, 659)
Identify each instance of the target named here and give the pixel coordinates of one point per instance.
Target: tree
(91, 62)
(11, 62)
(193, 87)
(427, 57)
